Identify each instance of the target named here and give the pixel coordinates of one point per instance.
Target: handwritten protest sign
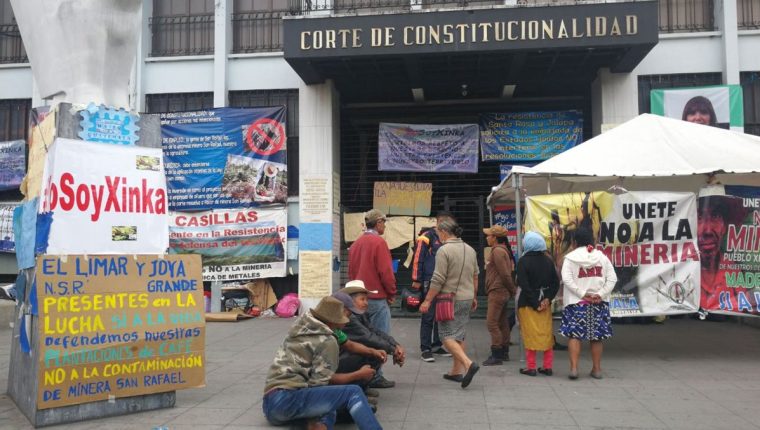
(403, 198)
(118, 326)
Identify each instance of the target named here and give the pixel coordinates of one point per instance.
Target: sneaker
(442, 352)
(427, 356)
(382, 383)
(369, 392)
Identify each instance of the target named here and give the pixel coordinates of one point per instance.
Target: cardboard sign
(403, 198)
(118, 326)
(105, 199)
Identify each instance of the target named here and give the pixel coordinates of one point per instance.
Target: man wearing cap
(423, 267)
(500, 287)
(299, 385)
(360, 330)
(369, 260)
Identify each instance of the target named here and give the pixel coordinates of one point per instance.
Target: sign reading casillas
(586, 25)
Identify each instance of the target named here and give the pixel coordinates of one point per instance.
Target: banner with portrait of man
(729, 246)
(650, 238)
(718, 106)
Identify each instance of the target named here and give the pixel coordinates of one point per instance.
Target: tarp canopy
(647, 153)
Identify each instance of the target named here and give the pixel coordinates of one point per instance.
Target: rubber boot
(494, 359)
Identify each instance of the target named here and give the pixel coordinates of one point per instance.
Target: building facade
(343, 66)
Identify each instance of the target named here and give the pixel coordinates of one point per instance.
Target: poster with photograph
(225, 158)
(718, 106)
(729, 246)
(650, 238)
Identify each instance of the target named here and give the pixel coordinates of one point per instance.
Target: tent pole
(517, 183)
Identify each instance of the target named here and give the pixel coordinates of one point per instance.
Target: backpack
(287, 306)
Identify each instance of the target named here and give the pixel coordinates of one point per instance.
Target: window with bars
(686, 16)
(257, 25)
(178, 102)
(11, 47)
(289, 99)
(654, 82)
(750, 82)
(748, 14)
(182, 27)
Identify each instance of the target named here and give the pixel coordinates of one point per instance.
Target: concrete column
(725, 16)
(614, 99)
(319, 178)
(222, 46)
(144, 44)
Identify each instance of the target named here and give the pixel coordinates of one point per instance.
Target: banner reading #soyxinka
(650, 238)
(103, 199)
(236, 244)
(428, 148)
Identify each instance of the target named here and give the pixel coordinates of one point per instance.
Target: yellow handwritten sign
(112, 325)
(403, 198)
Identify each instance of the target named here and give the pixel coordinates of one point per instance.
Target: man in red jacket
(369, 260)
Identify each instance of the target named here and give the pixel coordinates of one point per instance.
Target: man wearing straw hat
(299, 383)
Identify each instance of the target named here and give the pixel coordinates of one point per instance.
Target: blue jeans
(380, 315)
(428, 327)
(285, 406)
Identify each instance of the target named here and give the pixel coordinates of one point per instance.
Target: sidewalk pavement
(683, 374)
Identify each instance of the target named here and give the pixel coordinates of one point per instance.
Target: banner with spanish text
(428, 148)
(729, 245)
(104, 199)
(12, 164)
(118, 326)
(236, 244)
(529, 136)
(225, 158)
(650, 238)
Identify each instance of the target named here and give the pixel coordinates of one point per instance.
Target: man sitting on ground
(360, 330)
(302, 383)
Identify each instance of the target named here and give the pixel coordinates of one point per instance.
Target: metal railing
(182, 35)
(11, 46)
(686, 16)
(304, 7)
(257, 31)
(748, 14)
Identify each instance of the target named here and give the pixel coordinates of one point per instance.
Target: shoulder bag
(444, 303)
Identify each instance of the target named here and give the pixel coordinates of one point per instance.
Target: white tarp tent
(649, 152)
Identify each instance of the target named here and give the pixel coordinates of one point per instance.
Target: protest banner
(529, 136)
(225, 158)
(650, 238)
(506, 216)
(12, 164)
(104, 199)
(117, 326)
(403, 198)
(729, 246)
(7, 237)
(236, 244)
(718, 106)
(428, 148)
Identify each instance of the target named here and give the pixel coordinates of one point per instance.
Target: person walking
(588, 277)
(423, 267)
(369, 260)
(456, 273)
(500, 287)
(538, 283)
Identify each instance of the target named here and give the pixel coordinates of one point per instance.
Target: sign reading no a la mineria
(424, 32)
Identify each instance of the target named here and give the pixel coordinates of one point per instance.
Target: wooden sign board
(117, 326)
(403, 198)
